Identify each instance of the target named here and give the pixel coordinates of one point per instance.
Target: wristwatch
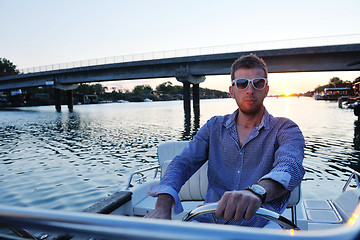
(258, 191)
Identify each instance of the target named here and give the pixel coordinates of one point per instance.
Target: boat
(334, 93)
(122, 101)
(120, 216)
(351, 102)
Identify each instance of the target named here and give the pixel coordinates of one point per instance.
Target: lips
(249, 100)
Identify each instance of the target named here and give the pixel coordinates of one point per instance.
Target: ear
(231, 91)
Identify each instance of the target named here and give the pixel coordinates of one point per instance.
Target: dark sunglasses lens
(242, 83)
(259, 83)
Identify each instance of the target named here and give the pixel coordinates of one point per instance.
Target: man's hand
(243, 204)
(162, 207)
(238, 205)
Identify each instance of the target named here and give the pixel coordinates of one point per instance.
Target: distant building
(334, 93)
(90, 99)
(85, 99)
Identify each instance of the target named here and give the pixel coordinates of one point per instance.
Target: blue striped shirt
(273, 150)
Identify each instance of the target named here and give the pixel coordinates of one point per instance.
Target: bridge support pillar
(196, 99)
(57, 99)
(69, 95)
(183, 76)
(70, 100)
(186, 98)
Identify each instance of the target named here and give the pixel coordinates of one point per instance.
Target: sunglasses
(243, 83)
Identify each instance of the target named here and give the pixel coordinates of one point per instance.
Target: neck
(250, 120)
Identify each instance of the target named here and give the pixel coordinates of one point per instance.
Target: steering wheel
(261, 212)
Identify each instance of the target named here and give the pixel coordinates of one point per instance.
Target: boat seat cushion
(196, 187)
(295, 196)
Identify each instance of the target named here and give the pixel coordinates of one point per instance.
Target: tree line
(336, 82)
(7, 68)
(163, 92)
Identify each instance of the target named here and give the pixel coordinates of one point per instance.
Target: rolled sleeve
(155, 190)
(287, 167)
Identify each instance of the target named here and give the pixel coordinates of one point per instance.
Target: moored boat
(334, 93)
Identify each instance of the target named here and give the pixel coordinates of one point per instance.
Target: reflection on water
(191, 126)
(69, 160)
(357, 135)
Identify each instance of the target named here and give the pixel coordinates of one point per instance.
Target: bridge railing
(251, 46)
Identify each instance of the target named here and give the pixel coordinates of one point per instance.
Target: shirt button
(238, 171)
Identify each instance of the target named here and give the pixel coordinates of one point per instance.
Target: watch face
(258, 189)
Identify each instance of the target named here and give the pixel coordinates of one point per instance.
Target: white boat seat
(196, 187)
(295, 196)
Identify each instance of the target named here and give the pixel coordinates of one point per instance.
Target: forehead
(249, 73)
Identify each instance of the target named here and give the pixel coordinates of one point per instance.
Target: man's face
(250, 100)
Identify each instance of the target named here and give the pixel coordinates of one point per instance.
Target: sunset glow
(288, 92)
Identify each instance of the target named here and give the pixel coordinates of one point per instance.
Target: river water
(70, 160)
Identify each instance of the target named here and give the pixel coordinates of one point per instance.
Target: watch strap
(261, 196)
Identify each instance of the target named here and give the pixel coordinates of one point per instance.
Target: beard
(250, 108)
(250, 103)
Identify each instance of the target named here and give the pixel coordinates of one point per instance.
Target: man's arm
(178, 172)
(163, 207)
(243, 204)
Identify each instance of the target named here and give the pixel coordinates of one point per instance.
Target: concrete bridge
(190, 69)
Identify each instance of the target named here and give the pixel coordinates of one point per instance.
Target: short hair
(248, 61)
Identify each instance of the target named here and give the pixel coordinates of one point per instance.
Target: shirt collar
(265, 121)
(231, 120)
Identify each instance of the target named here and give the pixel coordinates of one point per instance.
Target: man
(254, 159)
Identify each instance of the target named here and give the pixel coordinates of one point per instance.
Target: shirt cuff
(155, 190)
(281, 177)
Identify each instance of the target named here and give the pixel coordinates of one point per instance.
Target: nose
(250, 89)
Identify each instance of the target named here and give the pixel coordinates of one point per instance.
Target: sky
(42, 32)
